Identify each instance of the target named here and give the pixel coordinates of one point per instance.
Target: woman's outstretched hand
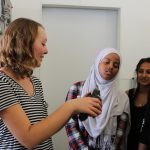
(89, 105)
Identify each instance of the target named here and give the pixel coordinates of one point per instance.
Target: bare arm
(31, 135)
(142, 146)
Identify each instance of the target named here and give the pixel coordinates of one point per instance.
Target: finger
(97, 105)
(96, 100)
(95, 111)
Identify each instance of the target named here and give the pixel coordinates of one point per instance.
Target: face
(39, 46)
(143, 74)
(109, 66)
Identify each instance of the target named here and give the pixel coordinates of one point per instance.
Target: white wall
(134, 41)
(28, 9)
(74, 38)
(134, 31)
(134, 24)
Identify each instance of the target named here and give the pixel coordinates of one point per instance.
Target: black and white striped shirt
(34, 106)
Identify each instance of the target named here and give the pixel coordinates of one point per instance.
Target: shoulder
(75, 90)
(123, 102)
(7, 92)
(36, 80)
(123, 94)
(77, 85)
(129, 91)
(123, 98)
(37, 83)
(3, 77)
(5, 81)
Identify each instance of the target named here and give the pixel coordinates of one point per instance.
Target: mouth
(109, 72)
(41, 57)
(144, 80)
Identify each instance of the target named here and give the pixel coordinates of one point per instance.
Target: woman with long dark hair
(139, 102)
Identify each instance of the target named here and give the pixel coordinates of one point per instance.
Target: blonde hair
(16, 50)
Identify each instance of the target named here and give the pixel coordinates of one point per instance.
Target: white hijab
(113, 101)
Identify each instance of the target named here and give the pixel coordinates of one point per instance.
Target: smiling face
(143, 74)
(39, 46)
(109, 66)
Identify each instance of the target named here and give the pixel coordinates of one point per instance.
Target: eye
(148, 71)
(140, 71)
(116, 65)
(106, 61)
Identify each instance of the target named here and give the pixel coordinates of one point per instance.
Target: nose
(111, 65)
(46, 50)
(144, 74)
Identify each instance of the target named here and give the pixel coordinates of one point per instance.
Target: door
(74, 37)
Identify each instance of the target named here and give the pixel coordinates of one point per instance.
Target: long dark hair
(141, 61)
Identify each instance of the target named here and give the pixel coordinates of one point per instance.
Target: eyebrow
(144, 69)
(117, 60)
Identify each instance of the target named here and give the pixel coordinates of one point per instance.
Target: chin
(108, 77)
(38, 65)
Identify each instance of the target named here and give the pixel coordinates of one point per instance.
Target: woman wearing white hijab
(104, 132)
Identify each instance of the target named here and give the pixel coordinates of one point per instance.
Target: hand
(89, 105)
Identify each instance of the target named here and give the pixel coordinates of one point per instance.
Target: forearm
(142, 146)
(49, 126)
(121, 132)
(30, 135)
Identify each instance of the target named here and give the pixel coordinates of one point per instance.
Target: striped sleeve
(7, 95)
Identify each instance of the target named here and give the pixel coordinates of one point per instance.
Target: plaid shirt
(78, 136)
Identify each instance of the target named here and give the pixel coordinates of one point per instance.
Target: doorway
(75, 35)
